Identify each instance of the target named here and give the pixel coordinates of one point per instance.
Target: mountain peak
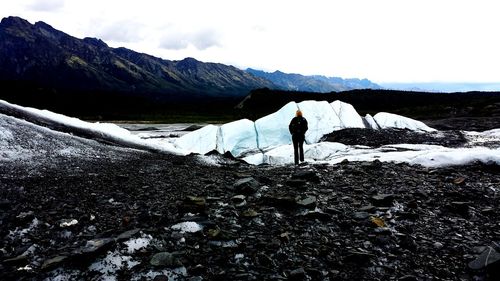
(41, 24)
(95, 42)
(189, 60)
(14, 21)
(188, 63)
(51, 59)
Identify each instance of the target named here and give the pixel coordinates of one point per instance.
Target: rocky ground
(351, 221)
(478, 124)
(377, 138)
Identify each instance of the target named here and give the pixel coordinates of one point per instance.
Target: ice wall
(272, 130)
(242, 136)
(237, 137)
(389, 120)
(203, 141)
(321, 119)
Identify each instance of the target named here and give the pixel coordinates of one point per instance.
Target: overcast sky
(382, 40)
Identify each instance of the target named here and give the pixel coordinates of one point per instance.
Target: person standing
(298, 128)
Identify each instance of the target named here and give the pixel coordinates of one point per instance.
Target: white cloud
(384, 40)
(45, 5)
(201, 40)
(122, 31)
(174, 42)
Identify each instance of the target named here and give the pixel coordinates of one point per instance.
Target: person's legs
(301, 150)
(295, 142)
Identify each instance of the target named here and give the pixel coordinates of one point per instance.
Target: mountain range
(42, 66)
(41, 54)
(313, 83)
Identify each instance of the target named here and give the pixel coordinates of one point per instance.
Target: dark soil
(478, 124)
(376, 138)
(352, 221)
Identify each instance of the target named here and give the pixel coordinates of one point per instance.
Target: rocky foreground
(150, 216)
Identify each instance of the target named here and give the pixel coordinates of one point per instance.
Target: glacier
(244, 136)
(26, 137)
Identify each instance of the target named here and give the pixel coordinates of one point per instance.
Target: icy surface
(237, 137)
(188, 226)
(271, 130)
(21, 232)
(244, 136)
(67, 223)
(203, 141)
(321, 119)
(266, 140)
(138, 243)
(388, 120)
(110, 131)
(348, 116)
(426, 155)
(111, 264)
(370, 122)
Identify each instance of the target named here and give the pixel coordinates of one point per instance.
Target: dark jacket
(298, 126)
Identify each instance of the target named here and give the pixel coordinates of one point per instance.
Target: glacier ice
(203, 141)
(272, 130)
(237, 137)
(244, 136)
(266, 140)
(388, 120)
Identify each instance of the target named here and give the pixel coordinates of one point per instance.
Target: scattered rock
(197, 201)
(438, 245)
(378, 221)
(370, 221)
(298, 274)
(165, 259)
(53, 262)
(18, 260)
(358, 257)
(4, 204)
(68, 222)
(459, 181)
(280, 201)
(93, 248)
(488, 258)
(360, 215)
(306, 202)
(128, 234)
(239, 200)
(461, 208)
(368, 208)
(306, 175)
(247, 185)
(408, 278)
(249, 213)
(316, 214)
(193, 204)
(296, 182)
(161, 277)
(383, 200)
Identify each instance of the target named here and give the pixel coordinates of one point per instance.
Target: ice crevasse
(245, 136)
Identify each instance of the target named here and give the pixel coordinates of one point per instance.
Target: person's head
(298, 113)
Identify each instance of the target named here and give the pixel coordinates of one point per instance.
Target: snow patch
(138, 243)
(112, 263)
(188, 226)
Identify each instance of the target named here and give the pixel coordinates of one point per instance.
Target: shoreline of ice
(267, 141)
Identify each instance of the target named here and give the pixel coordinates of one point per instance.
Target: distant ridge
(444, 87)
(43, 67)
(51, 59)
(314, 83)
